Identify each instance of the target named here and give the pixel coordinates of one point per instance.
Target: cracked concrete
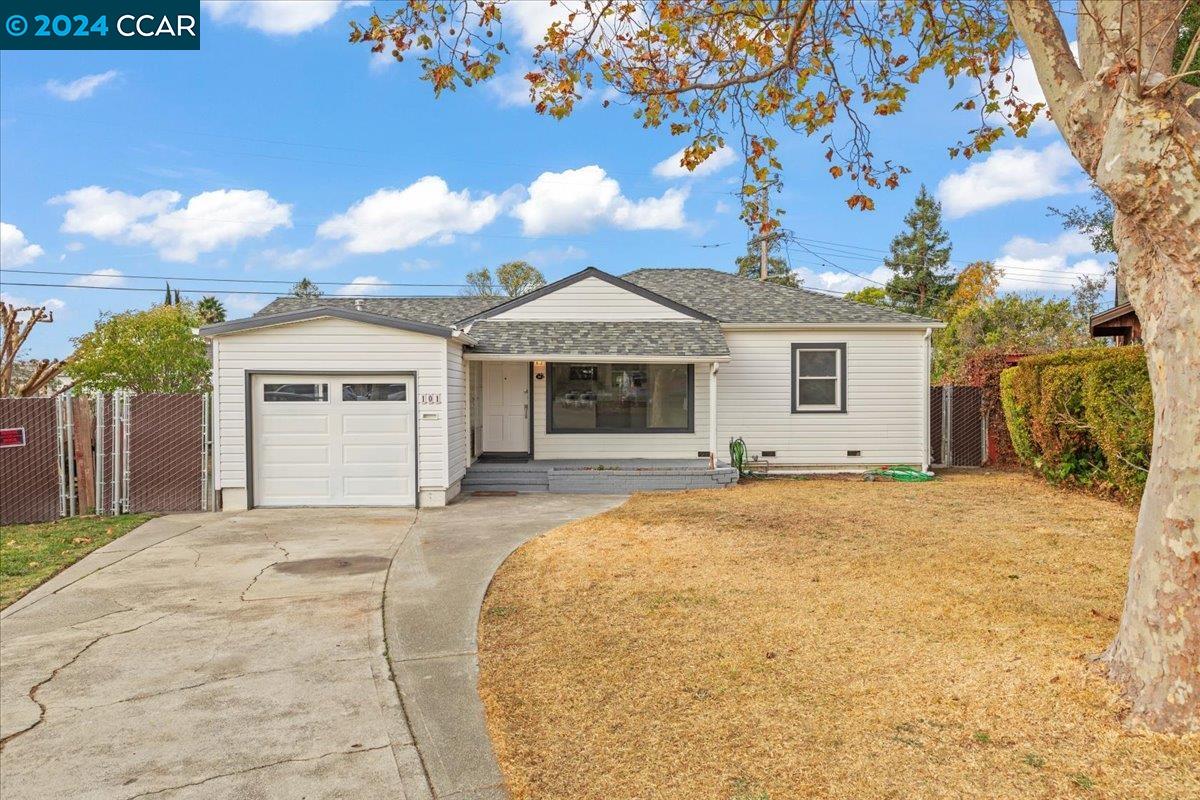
(177, 663)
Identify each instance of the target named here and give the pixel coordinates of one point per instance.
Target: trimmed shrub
(1083, 416)
(1119, 410)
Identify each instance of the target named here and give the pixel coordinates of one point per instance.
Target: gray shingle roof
(583, 338)
(432, 310)
(732, 298)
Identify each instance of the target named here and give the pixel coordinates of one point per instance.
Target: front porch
(595, 475)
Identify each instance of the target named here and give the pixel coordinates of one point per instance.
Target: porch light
(539, 369)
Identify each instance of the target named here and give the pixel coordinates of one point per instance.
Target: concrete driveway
(243, 655)
(231, 655)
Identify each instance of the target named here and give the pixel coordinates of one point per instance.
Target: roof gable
(592, 295)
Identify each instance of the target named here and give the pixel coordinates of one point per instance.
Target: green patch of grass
(32, 554)
(500, 612)
(1034, 760)
(983, 737)
(1082, 781)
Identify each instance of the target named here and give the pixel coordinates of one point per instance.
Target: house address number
(431, 398)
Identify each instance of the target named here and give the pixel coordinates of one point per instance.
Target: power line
(158, 290)
(174, 278)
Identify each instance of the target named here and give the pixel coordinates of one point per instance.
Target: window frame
(839, 378)
(551, 428)
(326, 396)
(402, 384)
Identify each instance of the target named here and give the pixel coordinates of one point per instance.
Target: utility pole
(764, 240)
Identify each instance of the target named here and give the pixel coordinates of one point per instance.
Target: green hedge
(1082, 416)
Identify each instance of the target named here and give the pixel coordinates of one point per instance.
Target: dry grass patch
(826, 639)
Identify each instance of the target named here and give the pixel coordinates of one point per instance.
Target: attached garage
(333, 440)
(337, 406)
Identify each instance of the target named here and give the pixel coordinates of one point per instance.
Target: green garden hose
(905, 474)
(737, 456)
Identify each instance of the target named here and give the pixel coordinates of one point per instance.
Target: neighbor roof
(676, 339)
(732, 298)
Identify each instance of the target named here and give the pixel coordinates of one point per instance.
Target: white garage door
(333, 440)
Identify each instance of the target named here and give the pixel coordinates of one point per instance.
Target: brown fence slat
(29, 474)
(165, 452)
(935, 424)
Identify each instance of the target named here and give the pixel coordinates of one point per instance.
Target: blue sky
(279, 151)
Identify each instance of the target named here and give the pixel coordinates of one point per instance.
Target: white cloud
(577, 200)
(554, 255)
(838, 281)
(393, 219)
(80, 88)
(74, 247)
(720, 158)
(532, 19)
(362, 285)
(208, 221)
(1026, 86)
(15, 249)
(1030, 265)
(1006, 176)
(50, 303)
(510, 89)
(317, 256)
(277, 17)
(100, 278)
(245, 303)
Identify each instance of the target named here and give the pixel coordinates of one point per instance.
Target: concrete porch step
(505, 487)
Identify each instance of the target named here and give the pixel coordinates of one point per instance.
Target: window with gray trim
(818, 377)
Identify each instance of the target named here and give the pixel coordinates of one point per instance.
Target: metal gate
(104, 454)
(958, 426)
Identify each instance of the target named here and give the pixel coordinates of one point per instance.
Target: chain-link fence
(106, 454)
(29, 459)
(958, 426)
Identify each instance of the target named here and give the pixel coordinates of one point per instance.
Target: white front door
(506, 407)
(333, 440)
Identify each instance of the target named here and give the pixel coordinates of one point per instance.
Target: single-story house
(392, 400)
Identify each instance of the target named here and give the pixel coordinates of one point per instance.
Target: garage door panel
(334, 452)
(287, 421)
(296, 487)
(358, 423)
(382, 456)
(372, 486)
(294, 454)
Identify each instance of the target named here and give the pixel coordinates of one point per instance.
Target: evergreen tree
(306, 289)
(778, 271)
(919, 257)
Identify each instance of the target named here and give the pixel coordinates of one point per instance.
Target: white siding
(456, 413)
(595, 300)
(332, 345)
(885, 384)
(622, 445)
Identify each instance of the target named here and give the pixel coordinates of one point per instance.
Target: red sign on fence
(12, 437)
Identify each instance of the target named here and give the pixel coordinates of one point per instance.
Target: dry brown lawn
(822, 638)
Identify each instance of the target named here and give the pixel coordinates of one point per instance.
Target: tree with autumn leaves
(755, 70)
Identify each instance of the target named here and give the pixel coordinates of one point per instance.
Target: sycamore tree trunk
(1136, 132)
